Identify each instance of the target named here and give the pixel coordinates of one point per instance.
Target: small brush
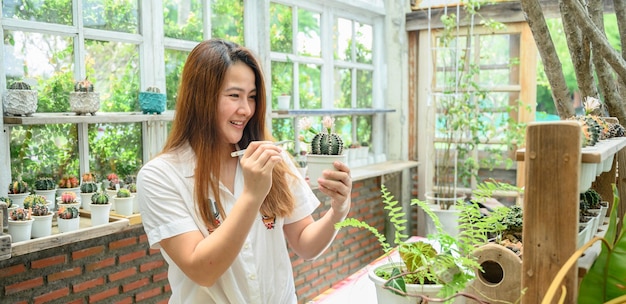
(241, 152)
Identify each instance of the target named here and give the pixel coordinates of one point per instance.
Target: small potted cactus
(68, 182)
(132, 187)
(20, 99)
(34, 199)
(18, 191)
(69, 199)
(46, 186)
(20, 224)
(87, 189)
(100, 208)
(123, 202)
(6, 205)
(68, 219)
(42, 226)
(152, 101)
(325, 148)
(84, 100)
(88, 177)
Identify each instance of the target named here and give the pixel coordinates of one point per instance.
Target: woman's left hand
(338, 186)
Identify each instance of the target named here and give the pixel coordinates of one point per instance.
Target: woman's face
(237, 102)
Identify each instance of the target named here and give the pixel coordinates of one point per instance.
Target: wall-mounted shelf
(335, 112)
(100, 117)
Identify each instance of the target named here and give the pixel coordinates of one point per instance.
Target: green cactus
(89, 187)
(123, 192)
(83, 86)
(18, 186)
(45, 183)
(132, 187)
(590, 199)
(153, 89)
(34, 199)
(100, 198)
(68, 213)
(326, 144)
(7, 200)
(19, 214)
(40, 209)
(19, 85)
(616, 130)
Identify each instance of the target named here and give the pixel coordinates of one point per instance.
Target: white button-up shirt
(262, 271)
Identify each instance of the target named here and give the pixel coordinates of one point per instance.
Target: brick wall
(119, 268)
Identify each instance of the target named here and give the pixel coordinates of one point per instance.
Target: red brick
(131, 256)
(122, 274)
(151, 265)
(127, 300)
(88, 284)
(167, 288)
(100, 264)
(154, 251)
(12, 270)
(79, 254)
(148, 294)
(134, 285)
(159, 277)
(24, 285)
(103, 295)
(164, 301)
(77, 301)
(53, 295)
(143, 239)
(123, 243)
(50, 261)
(64, 274)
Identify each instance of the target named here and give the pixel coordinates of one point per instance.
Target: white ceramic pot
(20, 102)
(67, 225)
(85, 200)
(50, 195)
(20, 230)
(284, 102)
(18, 199)
(75, 190)
(124, 205)
(385, 296)
(84, 102)
(42, 226)
(449, 218)
(318, 163)
(100, 214)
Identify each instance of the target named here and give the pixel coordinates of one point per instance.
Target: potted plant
(152, 101)
(18, 191)
(87, 189)
(68, 182)
(20, 224)
(88, 177)
(33, 199)
(46, 186)
(42, 226)
(325, 148)
(284, 102)
(20, 99)
(132, 187)
(68, 219)
(69, 199)
(112, 184)
(6, 206)
(84, 100)
(439, 266)
(100, 208)
(123, 202)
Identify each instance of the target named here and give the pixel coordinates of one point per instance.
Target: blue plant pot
(152, 103)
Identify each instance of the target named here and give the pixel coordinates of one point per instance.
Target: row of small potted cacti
(21, 100)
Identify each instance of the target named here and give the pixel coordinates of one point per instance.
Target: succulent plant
(33, 199)
(616, 130)
(68, 213)
(88, 187)
(591, 199)
(19, 214)
(7, 200)
(68, 197)
(589, 128)
(18, 186)
(132, 187)
(83, 86)
(40, 209)
(100, 198)
(45, 183)
(123, 192)
(68, 181)
(326, 144)
(130, 179)
(153, 89)
(19, 85)
(89, 177)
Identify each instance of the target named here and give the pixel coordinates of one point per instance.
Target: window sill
(380, 169)
(333, 112)
(100, 117)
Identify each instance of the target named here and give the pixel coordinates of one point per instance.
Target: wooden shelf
(100, 117)
(595, 154)
(335, 112)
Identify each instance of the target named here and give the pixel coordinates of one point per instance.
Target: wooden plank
(594, 154)
(621, 188)
(5, 246)
(552, 161)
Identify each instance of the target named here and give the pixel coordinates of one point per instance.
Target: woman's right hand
(257, 164)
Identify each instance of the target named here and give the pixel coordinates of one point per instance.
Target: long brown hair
(195, 122)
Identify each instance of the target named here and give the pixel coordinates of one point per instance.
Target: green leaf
(397, 282)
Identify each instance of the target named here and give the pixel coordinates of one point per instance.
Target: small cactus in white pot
(84, 100)
(123, 202)
(20, 99)
(326, 147)
(152, 101)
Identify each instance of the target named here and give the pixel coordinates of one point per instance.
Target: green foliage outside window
(50, 11)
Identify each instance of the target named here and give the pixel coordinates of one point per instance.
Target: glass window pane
(120, 15)
(118, 83)
(343, 88)
(281, 29)
(174, 63)
(364, 89)
(115, 148)
(343, 39)
(309, 41)
(282, 81)
(364, 43)
(364, 130)
(283, 129)
(310, 83)
(47, 67)
(38, 149)
(182, 19)
(227, 20)
(59, 12)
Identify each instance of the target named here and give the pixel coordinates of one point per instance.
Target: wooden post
(621, 187)
(552, 161)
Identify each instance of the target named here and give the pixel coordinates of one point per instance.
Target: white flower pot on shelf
(75, 190)
(42, 226)
(50, 195)
(20, 102)
(284, 102)
(587, 176)
(68, 225)
(386, 296)
(84, 102)
(20, 230)
(18, 199)
(100, 214)
(124, 205)
(85, 200)
(318, 163)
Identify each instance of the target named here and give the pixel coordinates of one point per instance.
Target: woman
(222, 222)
